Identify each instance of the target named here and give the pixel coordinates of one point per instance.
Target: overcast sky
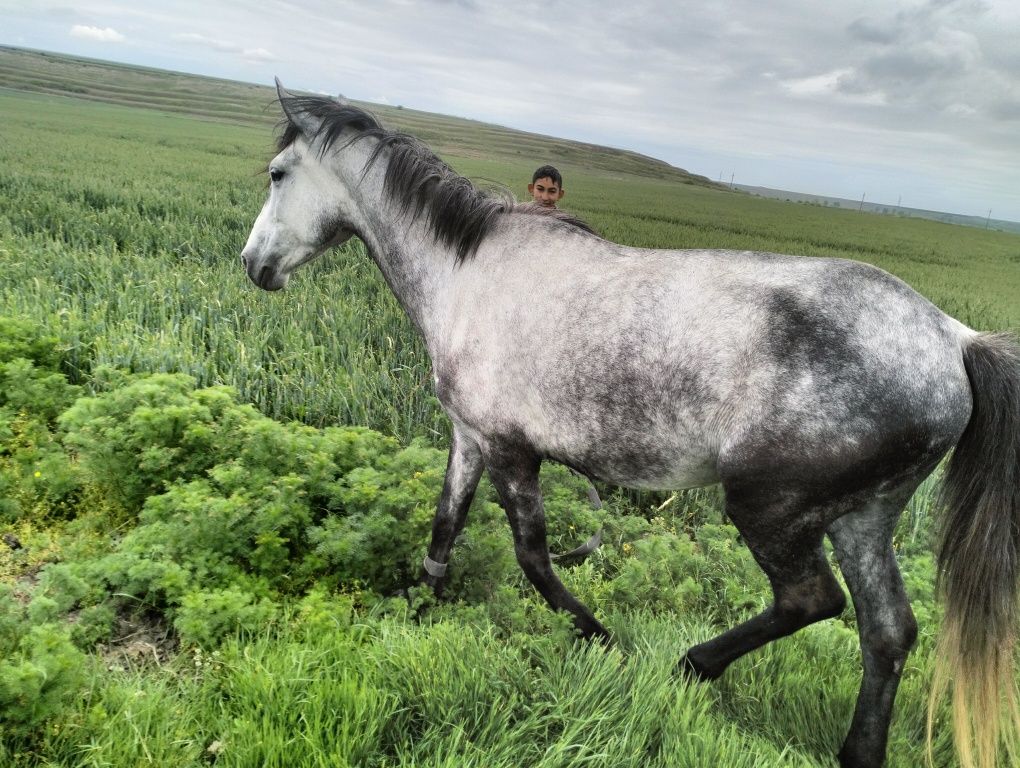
(911, 99)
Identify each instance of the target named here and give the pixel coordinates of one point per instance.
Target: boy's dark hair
(547, 172)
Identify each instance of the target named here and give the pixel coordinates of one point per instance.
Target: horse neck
(416, 268)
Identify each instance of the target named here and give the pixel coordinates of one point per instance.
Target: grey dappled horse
(818, 392)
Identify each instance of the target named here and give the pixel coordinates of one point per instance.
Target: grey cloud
(870, 31)
(941, 59)
(912, 68)
(1007, 110)
(469, 5)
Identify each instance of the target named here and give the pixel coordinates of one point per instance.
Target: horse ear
(306, 123)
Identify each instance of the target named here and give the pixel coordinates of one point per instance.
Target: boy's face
(546, 192)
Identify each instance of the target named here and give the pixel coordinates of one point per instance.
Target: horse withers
(818, 392)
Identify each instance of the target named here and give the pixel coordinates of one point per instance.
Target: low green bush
(206, 617)
(36, 475)
(135, 439)
(40, 668)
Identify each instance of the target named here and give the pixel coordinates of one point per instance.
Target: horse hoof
(692, 672)
(593, 632)
(602, 638)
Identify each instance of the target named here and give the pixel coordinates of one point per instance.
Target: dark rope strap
(584, 550)
(593, 495)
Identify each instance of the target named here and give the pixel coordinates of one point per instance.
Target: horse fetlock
(852, 755)
(436, 583)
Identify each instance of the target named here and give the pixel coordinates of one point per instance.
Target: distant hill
(237, 102)
(891, 210)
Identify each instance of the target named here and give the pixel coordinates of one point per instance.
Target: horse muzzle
(265, 276)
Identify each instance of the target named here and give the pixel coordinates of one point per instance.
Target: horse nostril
(244, 261)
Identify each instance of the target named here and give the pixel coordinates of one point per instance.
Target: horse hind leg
(514, 473)
(786, 541)
(863, 545)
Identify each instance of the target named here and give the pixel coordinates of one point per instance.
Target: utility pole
(989, 219)
(731, 179)
(861, 206)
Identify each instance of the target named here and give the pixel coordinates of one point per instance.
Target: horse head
(309, 209)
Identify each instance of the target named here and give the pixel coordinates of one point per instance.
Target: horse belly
(673, 459)
(683, 472)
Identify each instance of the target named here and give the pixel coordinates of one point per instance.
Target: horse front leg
(514, 473)
(463, 470)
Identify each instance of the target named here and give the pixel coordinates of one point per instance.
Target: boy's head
(546, 186)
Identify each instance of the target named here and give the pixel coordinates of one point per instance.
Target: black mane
(458, 213)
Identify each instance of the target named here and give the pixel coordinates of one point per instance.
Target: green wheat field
(215, 501)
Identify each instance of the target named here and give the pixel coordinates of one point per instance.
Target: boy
(546, 186)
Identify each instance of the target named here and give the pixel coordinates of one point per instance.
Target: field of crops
(210, 559)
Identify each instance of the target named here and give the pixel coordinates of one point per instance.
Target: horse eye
(275, 174)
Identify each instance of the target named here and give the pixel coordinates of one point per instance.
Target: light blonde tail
(979, 562)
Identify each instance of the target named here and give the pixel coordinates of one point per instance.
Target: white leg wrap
(432, 568)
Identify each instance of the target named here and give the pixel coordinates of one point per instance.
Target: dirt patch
(138, 642)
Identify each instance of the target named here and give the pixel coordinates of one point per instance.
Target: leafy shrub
(36, 476)
(206, 617)
(27, 388)
(659, 575)
(26, 340)
(61, 584)
(383, 515)
(320, 612)
(134, 440)
(40, 669)
(230, 501)
(94, 624)
(729, 570)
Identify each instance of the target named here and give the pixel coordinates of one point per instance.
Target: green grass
(388, 692)
(120, 227)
